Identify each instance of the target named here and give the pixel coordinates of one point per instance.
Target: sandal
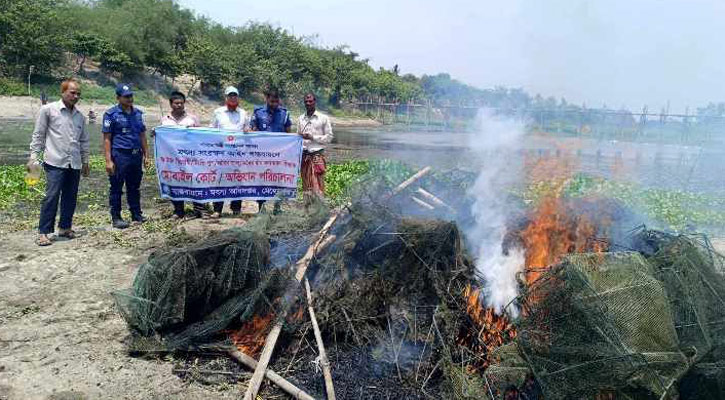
(43, 240)
(68, 234)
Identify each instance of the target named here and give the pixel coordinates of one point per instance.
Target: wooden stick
(271, 340)
(302, 265)
(422, 203)
(282, 383)
(326, 371)
(433, 199)
(205, 372)
(411, 180)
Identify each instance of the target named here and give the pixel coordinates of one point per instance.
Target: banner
(204, 164)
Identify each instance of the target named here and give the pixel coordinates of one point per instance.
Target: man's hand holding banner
(204, 165)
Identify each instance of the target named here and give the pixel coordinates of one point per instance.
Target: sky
(616, 52)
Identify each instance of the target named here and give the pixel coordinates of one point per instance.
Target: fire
(490, 329)
(249, 339)
(554, 231)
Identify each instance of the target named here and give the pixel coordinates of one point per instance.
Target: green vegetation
(128, 38)
(676, 210)
(14, 190)
(672, 209)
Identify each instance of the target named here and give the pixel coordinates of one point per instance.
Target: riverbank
(23, 107)
(60, 333)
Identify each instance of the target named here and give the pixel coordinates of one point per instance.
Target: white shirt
(61, 135)
(318, 125)
(230, 120)
(187, 120)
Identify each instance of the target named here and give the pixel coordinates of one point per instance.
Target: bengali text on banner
(203, 165)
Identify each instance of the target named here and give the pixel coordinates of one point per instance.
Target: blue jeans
(61, 185)
(129, 171)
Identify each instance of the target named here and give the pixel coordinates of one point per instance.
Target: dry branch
(271, 340)
(302, 265)
(282, 383)
(329, 387)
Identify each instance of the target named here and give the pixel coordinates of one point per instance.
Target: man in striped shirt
(60, 134)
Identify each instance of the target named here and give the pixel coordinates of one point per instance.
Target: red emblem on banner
(230, 138)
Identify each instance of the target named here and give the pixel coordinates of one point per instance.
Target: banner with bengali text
(204, 164)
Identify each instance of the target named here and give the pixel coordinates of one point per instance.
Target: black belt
(128, 151)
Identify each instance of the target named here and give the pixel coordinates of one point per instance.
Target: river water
(698, 167)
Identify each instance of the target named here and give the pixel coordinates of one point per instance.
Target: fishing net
(625, 323)
(395, 281)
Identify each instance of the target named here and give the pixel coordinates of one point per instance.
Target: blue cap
(124, 89)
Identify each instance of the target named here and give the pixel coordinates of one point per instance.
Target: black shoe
(118, 223)
(139, 219)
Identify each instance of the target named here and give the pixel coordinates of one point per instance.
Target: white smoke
(496, 145)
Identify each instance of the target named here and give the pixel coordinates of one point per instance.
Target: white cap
(231, 90)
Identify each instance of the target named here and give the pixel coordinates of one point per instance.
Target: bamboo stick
(433, 199)
(282, 383)
(411, 180)
(422, 203)
(326, 371)
(271, 340)
(302, 265)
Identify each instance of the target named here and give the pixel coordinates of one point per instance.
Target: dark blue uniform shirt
(264, 119)
(125, 128)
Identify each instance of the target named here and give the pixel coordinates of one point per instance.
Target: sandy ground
(27, 108)
(60, 336)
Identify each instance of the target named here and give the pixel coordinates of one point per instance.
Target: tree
(29, 35)
(85, 45)
(204, 61)
(114, 60)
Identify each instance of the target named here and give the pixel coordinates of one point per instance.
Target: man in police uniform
(270, 118)
(126, 151)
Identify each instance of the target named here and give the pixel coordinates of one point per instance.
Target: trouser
(129, 171)
(179, 207)
(61, 185)
(235, 205)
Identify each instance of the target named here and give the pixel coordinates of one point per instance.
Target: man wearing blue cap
(126, 150)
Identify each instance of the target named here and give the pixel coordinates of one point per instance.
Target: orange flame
(554, 231)
(490, 329)
(250, 338)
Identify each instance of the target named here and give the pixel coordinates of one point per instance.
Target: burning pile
(397, 293)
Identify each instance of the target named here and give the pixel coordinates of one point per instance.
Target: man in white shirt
(234, 118)
(316, 130)
(60, 134)
(230, 116)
